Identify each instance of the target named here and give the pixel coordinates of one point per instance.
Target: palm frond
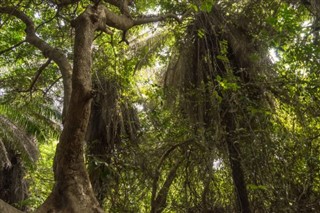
(16, 138)
(36, 119)
(4, 158)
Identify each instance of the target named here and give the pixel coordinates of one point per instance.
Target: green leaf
(206, 6)
(257, 187)
(201, 33)
(223, 58)
(194, 7)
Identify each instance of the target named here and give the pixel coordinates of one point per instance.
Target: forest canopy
(159, 106)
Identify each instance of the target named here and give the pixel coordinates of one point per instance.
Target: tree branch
(63, 3)
(53, 53)
(51, 85)
(122, 22)
(153, 19)
(160, 202)
(11, 48)
(37, 75)
(123, 5)
(157, 172)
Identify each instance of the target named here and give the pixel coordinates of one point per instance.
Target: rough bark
(6, 208)
(72, 191)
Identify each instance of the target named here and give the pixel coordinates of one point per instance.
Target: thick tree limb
(62, 3)
(123, 22)
(123, 5)
(53, 53)
(153, 19)
(5, 207)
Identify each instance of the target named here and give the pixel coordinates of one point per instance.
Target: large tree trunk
(72, 190)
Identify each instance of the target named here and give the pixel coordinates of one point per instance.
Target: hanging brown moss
(217, 82)
(113, 122)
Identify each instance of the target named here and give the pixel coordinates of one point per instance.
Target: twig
(37, 75)
(11, 48)
(51, 85)
(49, 20)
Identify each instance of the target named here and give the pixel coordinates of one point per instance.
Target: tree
(72, 191)
(212, 135)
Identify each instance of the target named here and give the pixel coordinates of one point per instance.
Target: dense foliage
(215, 113)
